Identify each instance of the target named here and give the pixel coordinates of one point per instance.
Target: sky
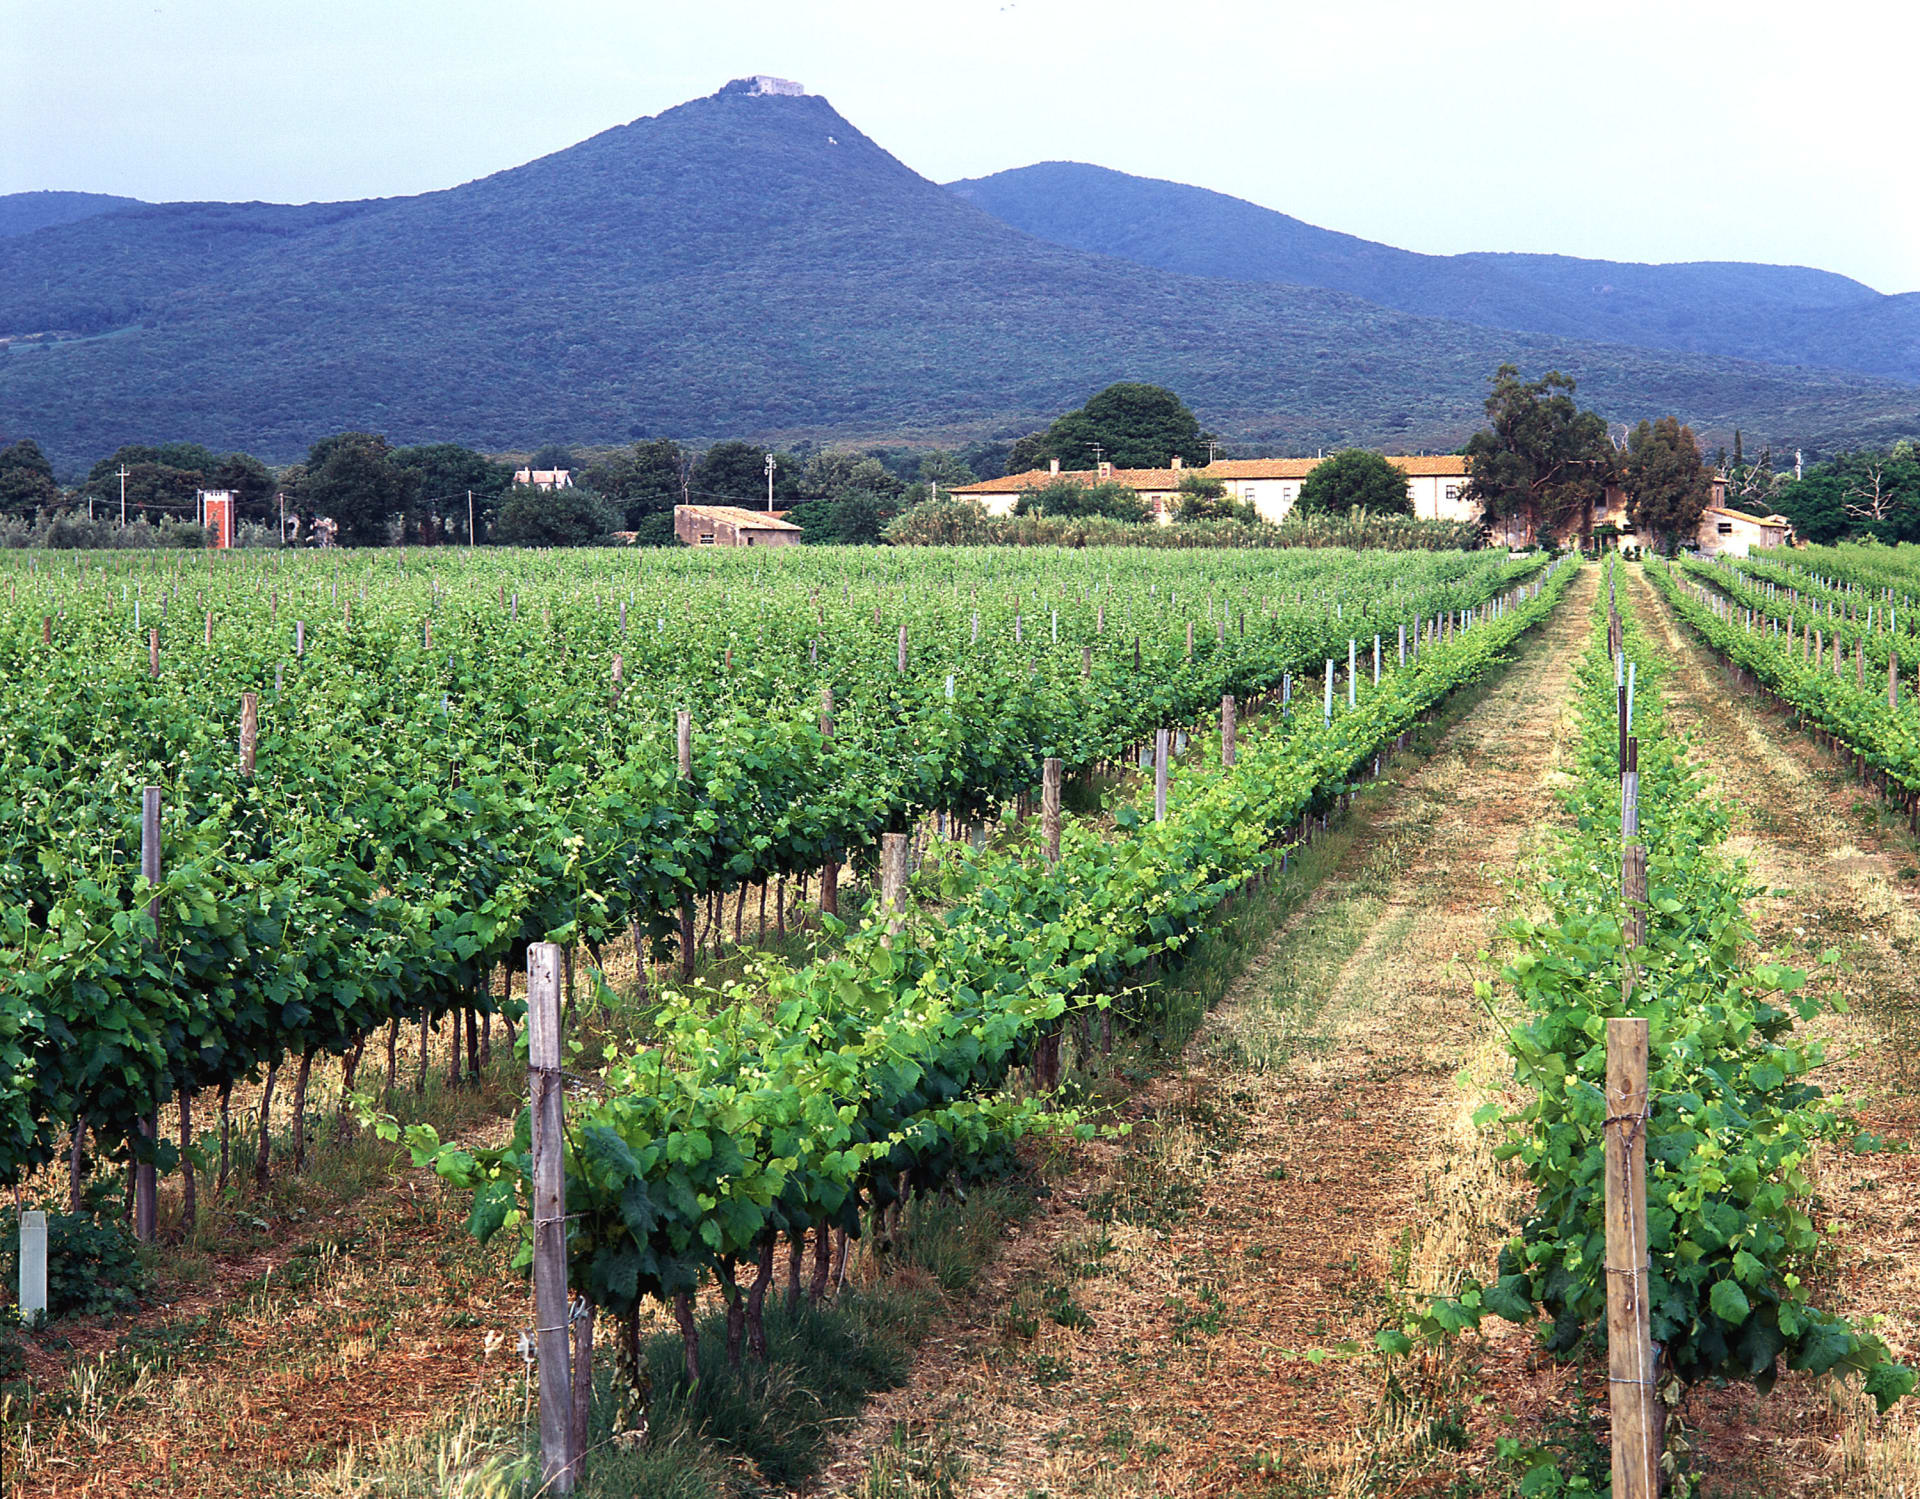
(1638, 131)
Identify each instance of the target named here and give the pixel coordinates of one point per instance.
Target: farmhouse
(730, 526)
(1436, 487)
(1734, 533)
(1270, 485)
(544, 478)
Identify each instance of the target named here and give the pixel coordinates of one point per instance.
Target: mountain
(748, 264)
(1780, 314)
(22, 213)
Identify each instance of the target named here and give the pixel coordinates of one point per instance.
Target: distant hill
(745, 265)
(1781, 314)
(22, 213)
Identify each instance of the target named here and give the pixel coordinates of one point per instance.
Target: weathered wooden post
(1630, 1370)
(1403, 643)
(299, 637)
(145, 1185)
(249, 730)
(545, 1087)
(1229, 730)
(683, 751)
(829, 868)
(1160, 738)
(893, 882)
(153, 652)
(900, 661)
(1050, 770)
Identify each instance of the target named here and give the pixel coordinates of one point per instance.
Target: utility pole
(123, 495)
(470, 533)
(281, 496)
(769, 481)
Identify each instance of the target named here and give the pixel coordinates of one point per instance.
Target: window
(1725, 528)
(706, 538)
(1250, 494)
(1453, 491)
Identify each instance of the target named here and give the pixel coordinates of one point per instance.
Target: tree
(554, 518)
(1070, 498)
(1541, 462)
(735, 473)
(1129, 425)
(443, 473)
(1204, 499)
(1839, 498)
(835, 472)
(552, 455)
(250, 480)
(352, 479)
(649, 478)
(1354, 477)
(26, 478)
(944, 470)
(1668, 484)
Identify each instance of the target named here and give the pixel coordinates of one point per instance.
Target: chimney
(1175, 465)
(1053, 465)
(1106, 471)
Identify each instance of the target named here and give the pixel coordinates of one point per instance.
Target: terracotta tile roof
(757, 520)
(1040, 478)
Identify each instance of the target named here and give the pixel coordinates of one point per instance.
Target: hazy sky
(1633, 131)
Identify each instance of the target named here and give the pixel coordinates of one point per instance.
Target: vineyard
(864, 885)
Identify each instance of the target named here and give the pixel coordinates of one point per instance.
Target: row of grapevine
(1849, 689)
(458, 754)
(819, 1093)
(1735, 1115)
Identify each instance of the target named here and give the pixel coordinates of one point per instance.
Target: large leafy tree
(554, 517)
(353, 478)
(1354, 477)
(735, 473)
(443, 473)
(649, 478)
(834, 472)
(1868, 492)
(1541, 463)
(1668, 483)
(26, 478)
(1130, 425)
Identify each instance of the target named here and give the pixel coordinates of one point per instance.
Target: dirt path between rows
(1194, 1313)
(1839, 871)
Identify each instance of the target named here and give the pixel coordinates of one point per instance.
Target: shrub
(1068, 497)
(942, 522)
(93, 1268)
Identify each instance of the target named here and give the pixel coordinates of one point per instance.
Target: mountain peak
(765, 84)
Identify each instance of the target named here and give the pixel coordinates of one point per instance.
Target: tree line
(1540, 466)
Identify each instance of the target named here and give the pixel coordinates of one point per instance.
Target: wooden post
(299, 637)
(683, 749)
(1086, 663)
(153, 652)
(46, 638)
(1893, 679)
(549, 1216)
(249, 730)
(1403, 643)
(893, 881)
(1229, 730)
(1160, 737)
(1050, 807)
(1630, 1370)
(145, 1185)
(900, 661)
